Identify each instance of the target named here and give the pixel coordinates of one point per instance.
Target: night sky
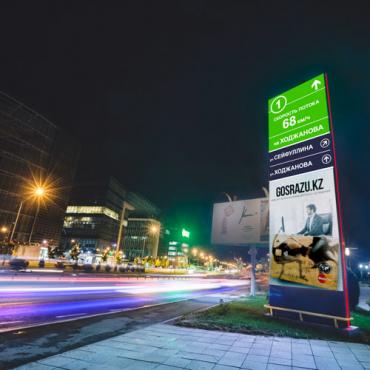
(171, 96)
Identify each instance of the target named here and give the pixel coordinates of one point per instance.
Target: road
(34, 299)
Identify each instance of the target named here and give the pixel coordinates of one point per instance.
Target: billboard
(242, 222)
(307, 271)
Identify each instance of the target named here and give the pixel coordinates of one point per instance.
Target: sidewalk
(166, 347)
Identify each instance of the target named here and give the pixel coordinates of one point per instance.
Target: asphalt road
(30, 299)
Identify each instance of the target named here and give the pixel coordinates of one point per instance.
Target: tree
(119, 258)
(105, 254)
(56, 252)
(75, 252)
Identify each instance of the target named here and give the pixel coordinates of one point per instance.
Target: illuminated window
(97, 210)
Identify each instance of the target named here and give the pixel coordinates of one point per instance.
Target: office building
(141, 236)
(33, 152)
(93, 214)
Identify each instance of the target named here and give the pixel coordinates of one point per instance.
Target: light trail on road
(31, 300)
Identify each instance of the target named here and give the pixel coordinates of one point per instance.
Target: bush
(122, 269)
(98, 267)
(108, 268)
(42, 264)
(59, 265)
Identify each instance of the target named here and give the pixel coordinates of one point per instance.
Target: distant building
(92, 217)
(175, 244)
(33, 149)
(141, 236)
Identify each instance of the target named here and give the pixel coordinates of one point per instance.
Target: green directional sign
(298, 114)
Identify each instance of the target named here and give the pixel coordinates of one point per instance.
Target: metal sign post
(253, 253)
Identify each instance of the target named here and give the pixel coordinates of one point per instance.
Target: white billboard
(242, 222)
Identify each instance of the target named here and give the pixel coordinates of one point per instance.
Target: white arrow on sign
(315, 85)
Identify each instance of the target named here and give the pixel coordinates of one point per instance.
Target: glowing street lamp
(37, 192)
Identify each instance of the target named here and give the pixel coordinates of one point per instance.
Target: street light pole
(142, 254)
(16, 221)
(34, 222)
(128, 206)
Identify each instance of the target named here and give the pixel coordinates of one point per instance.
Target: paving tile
(200, 365)
(64, 362)
(278, 367)
(279, 361)
(254, 365)
(302, 349)
(140, 365)
(344, 356)
(197, 356)
(235, 348)
(323, 363)
(281, 354)
(363, 358)
(304, 361)
(256, 358)
(225, 367)
(259, 351)
(349, 364)
(177, 362)
(303, 365)
(166, 367)
(319, 343)
(35, 366)
(233, 359)
(300, 341)
(221, 347)
(215, 353)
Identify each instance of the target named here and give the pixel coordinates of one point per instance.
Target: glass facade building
(33, 149)
(92, 218)
(141, 237)
(93, 215)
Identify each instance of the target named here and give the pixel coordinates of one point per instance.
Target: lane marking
(72, 314)
(10, 322)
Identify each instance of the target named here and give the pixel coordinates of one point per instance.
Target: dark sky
(170, 96)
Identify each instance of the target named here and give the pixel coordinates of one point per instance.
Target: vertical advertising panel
(306, 251)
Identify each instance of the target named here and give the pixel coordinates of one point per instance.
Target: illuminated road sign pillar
(307, 269)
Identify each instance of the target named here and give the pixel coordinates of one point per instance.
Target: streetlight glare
(39, 191)
(154, 229)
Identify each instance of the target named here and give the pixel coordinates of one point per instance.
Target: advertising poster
(242, 222)
(306, 257)
(304, 227)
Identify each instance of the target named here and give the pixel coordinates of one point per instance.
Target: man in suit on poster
(314, 222)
